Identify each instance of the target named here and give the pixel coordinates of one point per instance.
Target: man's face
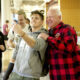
(21, 20)
(36, 21)
(52, 19)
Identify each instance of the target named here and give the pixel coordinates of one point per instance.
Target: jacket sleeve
(16, 50)
(40, 44)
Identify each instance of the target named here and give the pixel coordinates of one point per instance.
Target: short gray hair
(56, 9)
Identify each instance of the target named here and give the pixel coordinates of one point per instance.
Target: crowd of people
(33, 44)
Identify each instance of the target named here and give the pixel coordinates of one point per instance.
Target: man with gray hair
(63, 52)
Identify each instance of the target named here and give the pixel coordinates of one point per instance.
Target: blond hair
(21, 12)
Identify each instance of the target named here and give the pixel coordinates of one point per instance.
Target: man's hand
(43, 35)
(57, 35)
(1, 47)
(7, 29)
(17, 29)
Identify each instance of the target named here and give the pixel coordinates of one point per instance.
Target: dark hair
(15, 21)
(7, 21)
(21, 12)
(28, 20)
(39, 13)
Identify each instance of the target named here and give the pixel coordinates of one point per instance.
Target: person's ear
(42, 21)
(60, 17)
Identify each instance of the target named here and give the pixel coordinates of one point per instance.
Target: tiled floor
(6, 58)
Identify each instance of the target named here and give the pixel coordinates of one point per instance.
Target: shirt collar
(30, 29)
(59, 25)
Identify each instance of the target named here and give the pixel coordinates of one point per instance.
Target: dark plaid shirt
(63, 54)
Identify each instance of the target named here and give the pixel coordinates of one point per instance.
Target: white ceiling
(18, 3)
(28, 5)
(32, 2)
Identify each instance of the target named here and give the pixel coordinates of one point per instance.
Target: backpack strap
(39, 56)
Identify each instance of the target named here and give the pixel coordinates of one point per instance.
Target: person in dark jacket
(2, 48)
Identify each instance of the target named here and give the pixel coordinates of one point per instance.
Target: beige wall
(71, 13)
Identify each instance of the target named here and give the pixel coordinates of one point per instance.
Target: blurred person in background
(27, 21)
(2, 48)
(5, 31)
(11, 35)
(13, 38)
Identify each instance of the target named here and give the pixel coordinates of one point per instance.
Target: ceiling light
(47, 1)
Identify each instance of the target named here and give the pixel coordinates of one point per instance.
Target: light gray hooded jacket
(27, 62)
